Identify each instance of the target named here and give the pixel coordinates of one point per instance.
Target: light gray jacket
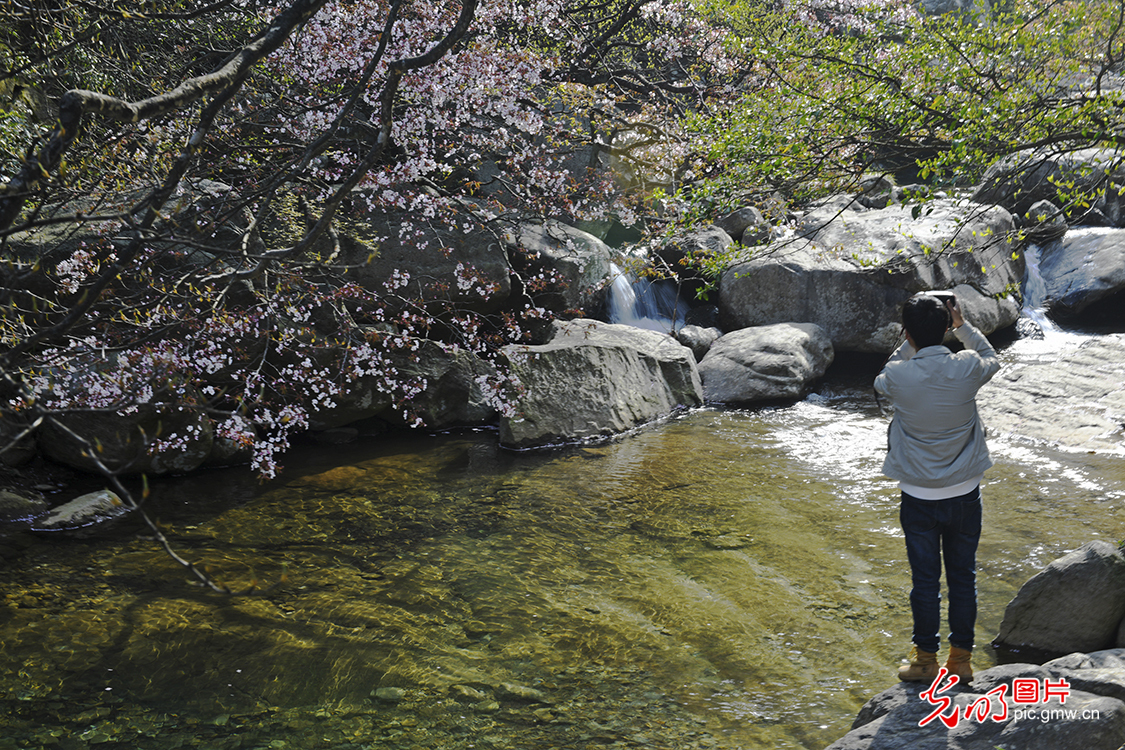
(936, 438)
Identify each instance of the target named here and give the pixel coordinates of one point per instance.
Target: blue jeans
(935, 529)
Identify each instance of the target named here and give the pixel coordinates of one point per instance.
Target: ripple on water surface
(731, 579)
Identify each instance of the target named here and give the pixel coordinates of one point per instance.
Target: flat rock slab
(83, 513)
(1073, 398)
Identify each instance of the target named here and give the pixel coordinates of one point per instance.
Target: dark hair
(926, 319)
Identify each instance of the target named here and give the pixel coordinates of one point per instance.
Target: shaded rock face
(1044, 222)
(679, 252)
(1084, 267)
(434, 261)
(1075, 604)
(578, 259)
(1019, 181)
(595, 379)
(1092, 717)
(764, 363)
(698, 339)
(474, 270)
(155, 438)
(452, 391)
(20, 506)
(851, 268)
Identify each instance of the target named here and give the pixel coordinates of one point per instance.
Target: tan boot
(923, 667)
(960, 663)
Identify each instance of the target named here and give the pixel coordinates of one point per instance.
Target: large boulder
(418, 260)
(160, 437)
(458, 390)
(850, 268)
(595, 379)
(1085, 267)
(575, 264)
(1075, 604)
(680, 251)
(452, 388)
(113, 416)
(765, 363)
(1087, 715)
(1020, 180)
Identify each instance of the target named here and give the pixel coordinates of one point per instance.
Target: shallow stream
(727, 579)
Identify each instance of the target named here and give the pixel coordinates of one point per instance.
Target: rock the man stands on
(937, 452)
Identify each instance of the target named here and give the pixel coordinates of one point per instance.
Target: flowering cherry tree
(179, 245)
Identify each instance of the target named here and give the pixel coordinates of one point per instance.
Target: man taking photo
(937, 452)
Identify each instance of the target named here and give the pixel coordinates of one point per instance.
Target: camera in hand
(945, 296)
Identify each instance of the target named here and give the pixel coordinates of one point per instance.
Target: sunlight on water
(730, 579)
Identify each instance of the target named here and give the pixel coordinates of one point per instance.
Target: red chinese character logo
(1060, 689)
(932, 696)
(980, 708)
(1025, 690)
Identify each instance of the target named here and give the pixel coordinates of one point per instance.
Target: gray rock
(971, 8)
(83, 512)
(17, 445)
(510, 691)
(678, 251)
(1074, 400)
(699, 340)
(375, 248)
(1075, 604)
(1044, 222)
(454, 391)
(877, 192)
(1100, 672)
(160, 437)
(850, 269)
(1084, 267)
(595, 379)
(1091, 718)
(1019, 181)
(765, 362)
(579, 259)
(20, 506)
(738, 221)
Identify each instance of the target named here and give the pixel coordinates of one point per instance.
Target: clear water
(728, 579)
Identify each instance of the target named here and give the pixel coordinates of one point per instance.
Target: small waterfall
(1035, 294)
(654, 305)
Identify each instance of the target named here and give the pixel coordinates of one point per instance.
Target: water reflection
(729, 579)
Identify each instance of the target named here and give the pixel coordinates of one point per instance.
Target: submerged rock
(595, 379)
(84, 512)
